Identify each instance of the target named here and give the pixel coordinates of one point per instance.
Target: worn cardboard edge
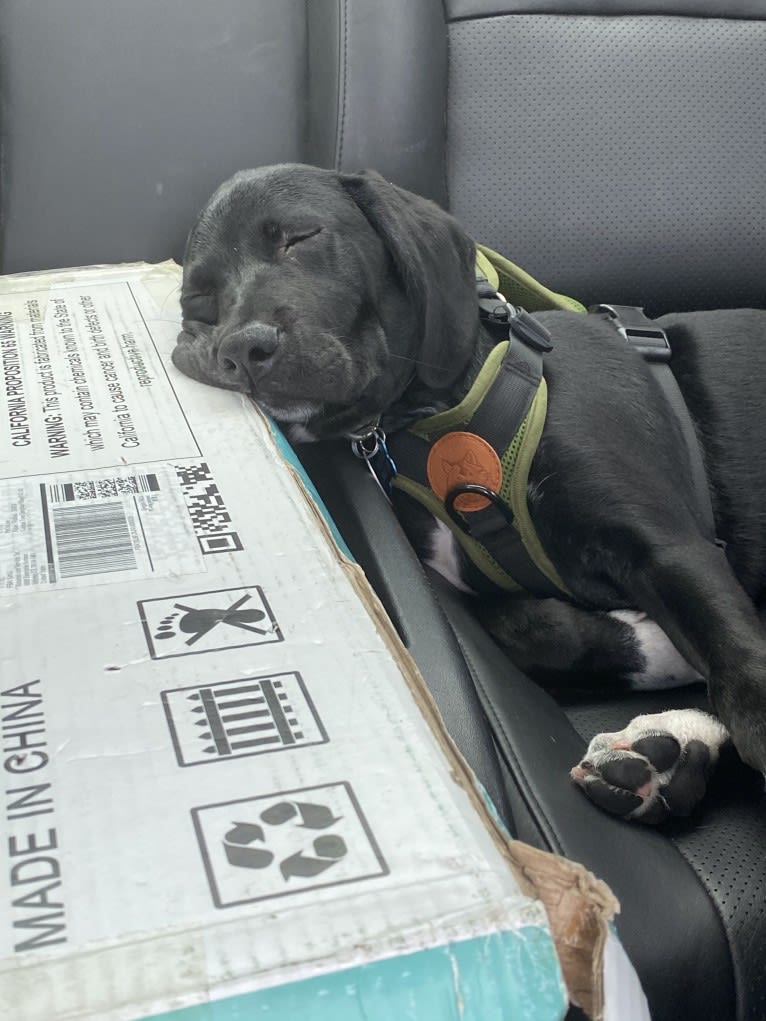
(579, 908)
(71, 274)
(524, 956)
(412, 985)
(578, 905)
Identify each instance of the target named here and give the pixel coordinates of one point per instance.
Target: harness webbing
(518, 286)
(506, 407)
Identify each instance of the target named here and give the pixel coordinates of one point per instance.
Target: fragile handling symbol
(244, 842)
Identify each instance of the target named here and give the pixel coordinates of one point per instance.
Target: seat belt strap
(652, 342)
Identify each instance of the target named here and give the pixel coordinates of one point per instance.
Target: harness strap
(509, 417)
(651, 341)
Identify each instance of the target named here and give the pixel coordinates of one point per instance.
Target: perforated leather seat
(616, 150)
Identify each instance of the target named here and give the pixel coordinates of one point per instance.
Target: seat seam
(525, 790)
(447, 90)
(468, 18)
(342, 82)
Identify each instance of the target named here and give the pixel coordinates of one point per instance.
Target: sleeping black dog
(348, 307)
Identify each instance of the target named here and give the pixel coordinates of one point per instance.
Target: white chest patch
(664, 666)
(444, 556)
(299, 434)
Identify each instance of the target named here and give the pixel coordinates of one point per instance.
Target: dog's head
(323, 295)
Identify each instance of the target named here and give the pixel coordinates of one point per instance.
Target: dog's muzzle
(197, 358)
(242, 353)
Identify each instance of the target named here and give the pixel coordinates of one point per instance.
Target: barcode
(105, 488)
(92, 539)
(210, 519)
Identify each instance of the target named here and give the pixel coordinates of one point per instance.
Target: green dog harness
(469, 466)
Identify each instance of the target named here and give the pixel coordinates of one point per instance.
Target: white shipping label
(95, 527)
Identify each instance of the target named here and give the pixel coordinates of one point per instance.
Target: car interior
(615, 149)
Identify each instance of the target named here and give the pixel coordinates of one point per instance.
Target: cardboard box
(226, 791)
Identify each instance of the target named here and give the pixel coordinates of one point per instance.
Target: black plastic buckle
(640, 332)
(530, 331)
(502, 319)
(493, 311)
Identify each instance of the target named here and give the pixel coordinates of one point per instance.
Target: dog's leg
(565, 647)
(692, 593)
(659, 765)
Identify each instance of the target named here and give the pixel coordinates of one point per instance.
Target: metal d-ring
(369, 444)
(372, 449)
(472, 487)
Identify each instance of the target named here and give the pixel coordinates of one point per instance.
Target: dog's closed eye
(294, 239)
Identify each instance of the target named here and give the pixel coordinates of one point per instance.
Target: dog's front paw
(657, 767)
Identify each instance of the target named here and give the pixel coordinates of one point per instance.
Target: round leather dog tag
(459, 458)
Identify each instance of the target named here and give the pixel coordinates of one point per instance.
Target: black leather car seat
(615, 149)
(119, 120)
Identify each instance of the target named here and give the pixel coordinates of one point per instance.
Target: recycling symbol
(246, 843)
(285, 842)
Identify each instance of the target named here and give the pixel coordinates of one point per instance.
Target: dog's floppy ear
(435, 259)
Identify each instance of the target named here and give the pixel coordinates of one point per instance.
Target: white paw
(656, 767)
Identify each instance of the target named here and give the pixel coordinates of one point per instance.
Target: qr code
(210, 519)
(103, 489)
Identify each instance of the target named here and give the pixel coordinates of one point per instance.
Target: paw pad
(657, 767)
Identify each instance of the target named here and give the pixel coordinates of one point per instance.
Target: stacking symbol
(245, 716)
(245, 843)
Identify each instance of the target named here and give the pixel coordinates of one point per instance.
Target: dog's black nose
(245, 348)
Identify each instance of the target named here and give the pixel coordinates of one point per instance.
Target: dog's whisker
(415, 361)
